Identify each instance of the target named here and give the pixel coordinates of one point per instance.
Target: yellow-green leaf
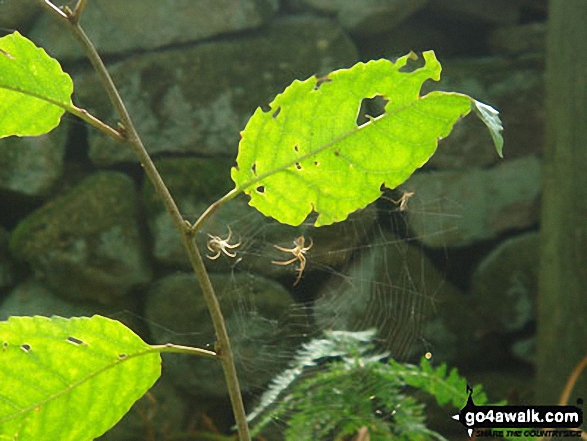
(69, 379)
(34, 90)
(307, 152)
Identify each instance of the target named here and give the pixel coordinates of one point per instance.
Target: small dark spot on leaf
(260, 189)
(298, 166)
(3, 52)
(296, 148)
(122, 356)
(254, 168)
(4, 345)
(336, 153)
(277, 111)
(75, 341)
(316, 163)
(320, 81)
(25, 347)
(371, 108)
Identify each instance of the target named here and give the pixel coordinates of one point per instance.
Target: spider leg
(228, 253)
(281, 262)
(285, 250)
(215, 256)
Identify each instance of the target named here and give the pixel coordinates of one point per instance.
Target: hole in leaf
(316, 163)
(254, 168)
(75, 341)
(320, 81)
(265, 108)
(122, 356)
(298, 166)
(296, 148)
(371, 108)
(260, 189)
(4, 345)
(277, 111)
(26, 347)
(413, 63)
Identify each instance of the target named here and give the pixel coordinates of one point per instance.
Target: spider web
(366, 273)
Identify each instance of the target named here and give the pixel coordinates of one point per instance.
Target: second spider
(299, 253)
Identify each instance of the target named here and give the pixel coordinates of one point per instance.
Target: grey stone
(259, 319)
(33, 298)
(504, 286)
(17, 14)
(459, 208)
(86, 244)
(492, 12)
(519, 40)
(197, 99)
(196, 183)
(392, 287)
(492, 320)
(525, 350)
(368, 16)
(515, 87)
(31, 166)
(116, 27)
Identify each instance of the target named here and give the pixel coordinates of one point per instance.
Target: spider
(299, 252)
(218, 245)
(403, 200)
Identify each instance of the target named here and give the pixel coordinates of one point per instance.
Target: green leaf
(34, 90)
(490, 117)
(307, 153)
(69, 379)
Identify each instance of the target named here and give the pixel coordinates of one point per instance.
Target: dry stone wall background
(82, 233)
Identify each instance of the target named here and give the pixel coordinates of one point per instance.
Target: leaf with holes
(34, 90)
(308, 153)
(69, 379)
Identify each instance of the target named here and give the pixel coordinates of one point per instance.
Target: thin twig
(572, 380)
(95, 122)
(212, 208)
(179, 349)
(77, 12)
(54, 9)
(224, 350)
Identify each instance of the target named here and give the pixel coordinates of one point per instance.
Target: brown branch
(224, 351)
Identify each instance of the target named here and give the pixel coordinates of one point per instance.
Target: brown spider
(299, 252)
(218, 245)
(403, 200)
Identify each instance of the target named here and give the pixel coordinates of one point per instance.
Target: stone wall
(81, 232)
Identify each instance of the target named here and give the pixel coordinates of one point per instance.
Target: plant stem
(212, 208)
(77, 12)
(179, 349)
(95, 122)
(223, 348)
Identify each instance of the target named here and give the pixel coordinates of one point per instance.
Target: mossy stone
(86, 244)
